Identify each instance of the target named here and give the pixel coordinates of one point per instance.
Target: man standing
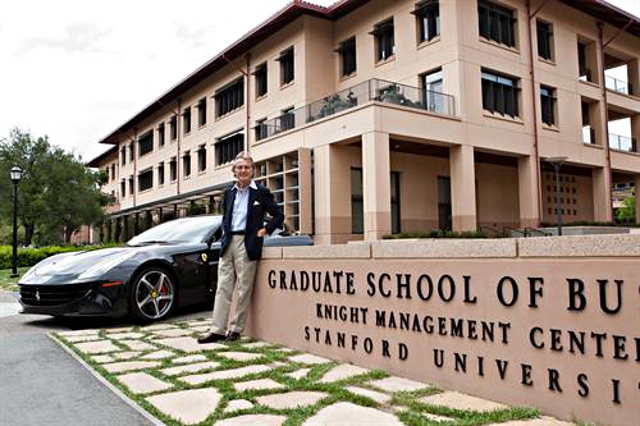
(244, 206)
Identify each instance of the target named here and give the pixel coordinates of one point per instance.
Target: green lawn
(10, 284)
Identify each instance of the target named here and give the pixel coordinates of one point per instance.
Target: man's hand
(262, 232)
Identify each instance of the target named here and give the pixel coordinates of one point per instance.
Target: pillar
(601, 182)
(529, 201)
(376, 185)
(463, 188)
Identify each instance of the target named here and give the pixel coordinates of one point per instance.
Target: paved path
(40, 384)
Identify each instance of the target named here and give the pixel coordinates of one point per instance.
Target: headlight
(102, 267)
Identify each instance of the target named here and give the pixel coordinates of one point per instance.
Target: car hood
(69, 266)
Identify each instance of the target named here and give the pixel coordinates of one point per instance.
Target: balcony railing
(616, 85)
(370, 90)
(622, 143)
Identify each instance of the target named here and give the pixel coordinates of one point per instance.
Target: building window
(230, 97)
(131, 149)
(145, 180)
(202, 158)
(357, 203)
(131, 188)
(173, 128)
(347, 51)
(260, 75)
(228, 147)
(287, 119)
(497, 23)
(500, 93)
(432, 87)
(161, 134)
(186, 120)
(286, 66)
(113, 171)
(123, 155)
(161, 174)
(123, 189)
(396, 221)
(202, 112)
(261, 129)
(384, 40)
(186, 164)
(428, 19)
(545, 40)
(145, 143)
(548, 105)
(173, 169)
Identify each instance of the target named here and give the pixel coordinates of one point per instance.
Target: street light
(16, 175)
(556, 162)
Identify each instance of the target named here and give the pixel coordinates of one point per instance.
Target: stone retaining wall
(546, 322)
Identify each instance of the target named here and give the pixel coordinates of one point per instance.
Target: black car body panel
(97, 283)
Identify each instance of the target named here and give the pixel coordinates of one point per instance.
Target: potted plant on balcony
(393, 94)
(334, 104)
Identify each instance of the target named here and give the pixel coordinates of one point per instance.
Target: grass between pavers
(413, 415)
(8, 283)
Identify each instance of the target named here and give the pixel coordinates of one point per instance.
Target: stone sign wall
(549, 323)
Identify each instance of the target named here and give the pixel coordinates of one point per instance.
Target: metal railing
(367, 91)
(622, 143)
(617, 85)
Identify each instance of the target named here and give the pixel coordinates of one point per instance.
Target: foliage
(29, 256)
(627, 213)
(8, 283)
(436, 233)
(57, 193)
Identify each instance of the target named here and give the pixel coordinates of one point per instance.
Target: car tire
(152, 295)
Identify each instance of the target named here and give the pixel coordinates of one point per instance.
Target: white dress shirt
(241, 207)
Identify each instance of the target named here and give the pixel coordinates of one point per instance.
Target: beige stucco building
(373, 117)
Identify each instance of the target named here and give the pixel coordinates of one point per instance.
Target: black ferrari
(172, 264)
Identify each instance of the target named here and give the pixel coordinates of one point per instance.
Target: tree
(57, 193)
(627, 213)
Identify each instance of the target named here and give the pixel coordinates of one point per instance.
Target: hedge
(29, 256)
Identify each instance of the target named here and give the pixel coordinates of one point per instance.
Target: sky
(76, 70)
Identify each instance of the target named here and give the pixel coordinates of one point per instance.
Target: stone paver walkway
(261, 383)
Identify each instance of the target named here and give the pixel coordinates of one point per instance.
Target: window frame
(491, 20)
(548, 105)
(428, 22)
(186, 164)
(545, 40)
(230, 97)
(287, 66)
(384, 38)
(202, 112)
(160, 172)
(347, 49)
(202, 158)
(173, 169)
(146, 174)
(261, 80)
(502, 94)
(228, 147)
(186, 120)
(145, 144)
(161, 135)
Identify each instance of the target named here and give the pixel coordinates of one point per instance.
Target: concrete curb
(155, 421)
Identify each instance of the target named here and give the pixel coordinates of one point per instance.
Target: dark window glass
(202, 159)
(286, 60)
(496, 23)
(260, 75)
(228, 148)
(145, 180)
(145, 143)
(161, 134)
(385, 42)
(186, 164)
(161, 174)
(202, 112)
(186, 120)
(131, 149)
(357, 204)
(287, 119)
(123, 189)
(396, 220)
(113, 171)
(428, 18)
(544, 39)
(131, 188)
(173, 127)
(547, 104)
(261, 129)
(123, 155)
(432, 91)
(500, 93)
(173, 169)
(347, 52)
(230, 97)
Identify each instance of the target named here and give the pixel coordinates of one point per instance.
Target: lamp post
(556, 162)
(16, 175)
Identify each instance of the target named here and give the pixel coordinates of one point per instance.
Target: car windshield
(192, 229)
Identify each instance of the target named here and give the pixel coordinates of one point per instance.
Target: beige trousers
(235, 269)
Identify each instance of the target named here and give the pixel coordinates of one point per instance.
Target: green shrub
(436, 233)
(29, 256)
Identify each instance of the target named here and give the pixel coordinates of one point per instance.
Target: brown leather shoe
(232, 336)
(210, 338)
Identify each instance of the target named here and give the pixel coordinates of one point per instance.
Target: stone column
(601, 182)
(376, 185)
(322, 195)
(528, 199)
(463, 188)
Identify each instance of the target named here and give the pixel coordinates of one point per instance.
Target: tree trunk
(28, 233)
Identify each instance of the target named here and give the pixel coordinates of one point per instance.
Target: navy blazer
(260, 203)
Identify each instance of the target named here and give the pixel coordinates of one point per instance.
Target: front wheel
(153, 295)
